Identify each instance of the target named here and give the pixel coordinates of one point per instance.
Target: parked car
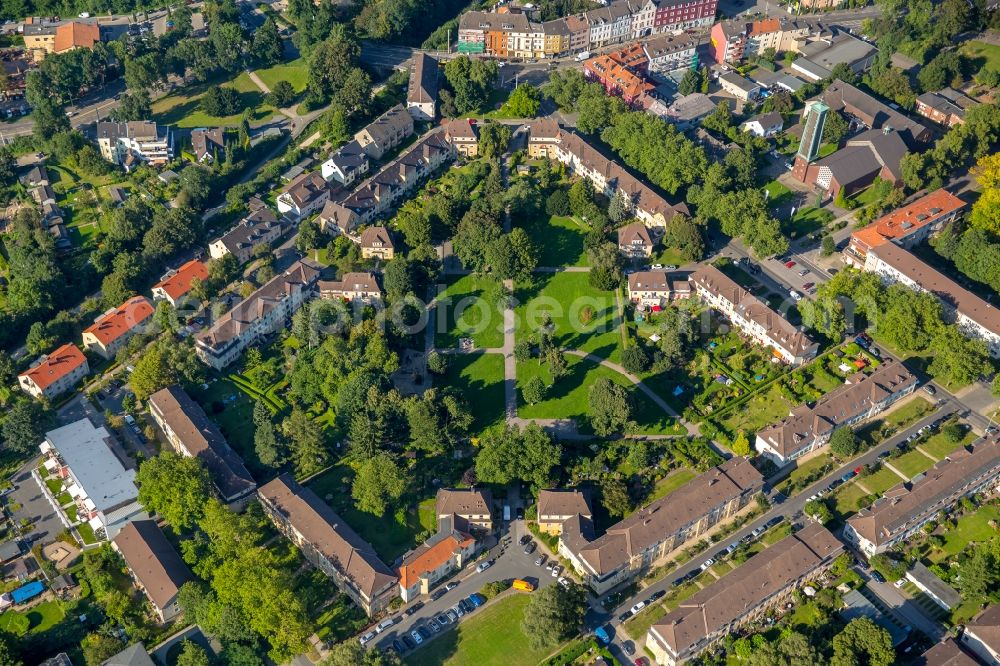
(477, 600)
(452, 585)
(417, 638)
(563, 581)
(804, 272)
(707, 563)
(398, 646)
(364, 640)
(789, 263)
(525, 539)
(458, 610)
(409, 642)
(414, 608)
(530, 548)
(443, 620)
(451, 615)
(384, 624)
(483, 566)
(435, 627)
(638, 607)
(929, 390)
(556, 570)
(424, 631)
(541, 560)
(629, 648)
(624, 616)
(878, 577)
(438, 594)
(656, 595)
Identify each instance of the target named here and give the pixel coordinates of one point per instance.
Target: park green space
(469, 308)
(478, 378)
(977, 50)
(183, 109)
(912, 463)
(940, 446)
(881, 481)
(559, 240)
(491, 637)
(295, 72)
(568, 398)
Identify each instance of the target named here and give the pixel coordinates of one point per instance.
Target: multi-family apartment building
(352, 288)
(463, 134)
(42, 37)
(326, 541)
(111, 330)
(54, 373)
(670, 55)
(981, 636)
(421, 95)
(260, 227)
(555, 507)
(946, 106)
(861, 397)
(385, 132)
(634, 240)
(975, 317)
(907, 507)
(632, 546)
(765, 581)
(376, 243)
(872, 113)
(466, 509)
(191, 433)
(621, 72)
(612, 23)
(347, 164)
(906, 226)
(129, 143)
(735, 40)
(654, 289)
(175, 285)
(304, 196)
(752, 317)
(262, 313)
(156, 568)
(104, 491)
(433, 560)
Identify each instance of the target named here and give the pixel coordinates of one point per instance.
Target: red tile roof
(111, 326)
(76, 35)
(429, 558)
(59, 363)
(904, 221)
(179, 283)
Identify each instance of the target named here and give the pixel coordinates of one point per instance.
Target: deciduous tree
(175, 487)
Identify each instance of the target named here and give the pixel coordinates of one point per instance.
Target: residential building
(262, 313)
(555, 507)
(386, 132)
(905, 508)
(671, 55)
(192, 434)
(175, 285)
(134, 655)
(346, 165)
(579, 33)
(156, 568)
(208, 145)
(821, 4)
(733, 41)
(946, 106)
(42, 37)
(765, 581)
(463, 134)
(434, 559)
(861, 397)
(104, 491)
(377, 242)
(557, 38)
(633, 546)
(982, 636)
(634, 240)
(421, 95)
(739, 87)
(468, 509)
(777, 80)
(610, 24)
(906, 226)
(126, 144)
(111, 330)
(54, 373)
(687, 111)
(764, 124)
(869, 112)
(673, 15)
(622, 73)
(260, 227)
(818, 59)
(755, 319)
(929, 583)
(543, 138)
(304, 196)
(946, 653)
(654, 289)
(866, 157)
(353, 288)
(336, 219)
(327, 541)
(975, 317)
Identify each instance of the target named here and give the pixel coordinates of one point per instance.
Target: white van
(384, 624)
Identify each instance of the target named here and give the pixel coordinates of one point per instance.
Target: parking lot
(33, 506)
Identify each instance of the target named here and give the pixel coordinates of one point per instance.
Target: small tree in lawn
(741, 445)
(843, 443)
(534, 390)
(953, 433)
(828, 246)
(554, 614)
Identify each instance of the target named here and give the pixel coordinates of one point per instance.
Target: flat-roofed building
(907, 507)
(191, 433)
(260, 227)
(818, 59)
(385, 132)
(631, 547)
(929, 583)
(353, 288)
(111, 330)
(765, 581)
(654, 289)
(54, 373)
(177, 284)
(555, 507)
(128, 143)
(982, 636)
(329, 543)
(421, 95)
(752, 316)
(156, 568)
(739, 87)
(861, 397)
(975, 317)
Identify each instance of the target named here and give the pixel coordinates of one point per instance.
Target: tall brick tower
(812, 138)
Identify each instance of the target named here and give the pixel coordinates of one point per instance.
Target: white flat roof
(95, 467)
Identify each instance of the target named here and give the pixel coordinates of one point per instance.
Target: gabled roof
(56, 365)
(463, 502)
(394, 120)
(348, 157)
(350, 282)
(766, 120)
(250, 230)
(658, 281)
(376, 237)
(179, 283)
(76, 35)
(122, 320)
(634, 233)
(946, 653)
(153, 561)
(423, 85)
(432, 555)
(133, 655)
(840, 96)
(207, 141)
(305, 188)
(562, 503)
(461, 129)
(986, 627)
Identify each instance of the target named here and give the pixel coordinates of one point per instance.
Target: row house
(54, 373)
(906, 226)
(907, 507)
(155, 567)
(262, 313)
(103, 490)
(946, 106)
(671, 55)
(111, 330)
(975, 317)
(352, 288)
(860, 398)
(260, 227)
(752, 317)
(386, 132)
(346, 165)
(304, 196)
(610, 24)
(735, 40)
(673, 15)
(766, 581)
(633, 546)
(654, 289)
(329, 544)
(176, 284)
(129, 143)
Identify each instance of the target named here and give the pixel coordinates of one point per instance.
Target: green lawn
(232, 409)
(761, 410)
(469, 308)
(669, 256)
(672, 482)
(584, 318)
(86, 533)
(559, 240)
(976, 50)
(183, 109)
(912, 463)
(881, 481)
(848, 499)
(491, 637)
(940, 446)
(568, 398)
(42, 617)
(974, 527)
(295, 72)
(777, 192)
(806, 221)
(637, 625)
(479, 378)
(908, 413)
(804, 470)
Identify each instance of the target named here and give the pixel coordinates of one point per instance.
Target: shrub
(491, 590)
(221, 101)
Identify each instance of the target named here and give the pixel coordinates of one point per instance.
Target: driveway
(34, 506)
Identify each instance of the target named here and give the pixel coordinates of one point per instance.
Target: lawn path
(895, 471)
(258, 82)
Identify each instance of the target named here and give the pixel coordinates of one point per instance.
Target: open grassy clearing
(559, 240)
(671, 482)
(912, 463)
(971, 528)
(881, 481)
(479, 379)
(295, 72)
(469, 308)
(183, 109)
(940, 446)
(977, 50)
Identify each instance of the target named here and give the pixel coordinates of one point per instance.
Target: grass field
(478, 377)
(805, 469)
(912, 463)
(848, 499)
(881, 481)
(761, 410)
(559, 240)
(974, 527)
(492, 637)
(976, 50)
(183, 109)
(939, 446)
(295, 72)
(672, 482)
(475, 301)
(42, 617)
(584, 318)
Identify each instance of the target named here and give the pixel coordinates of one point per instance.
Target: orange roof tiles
(764, 27)
(904, 221)
(121, 320)
(57, 365)
(430, 558)
(179, 283)
(76, 35)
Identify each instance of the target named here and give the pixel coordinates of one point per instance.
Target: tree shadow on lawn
(435, 653)
(561, 247)
(192, 105)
